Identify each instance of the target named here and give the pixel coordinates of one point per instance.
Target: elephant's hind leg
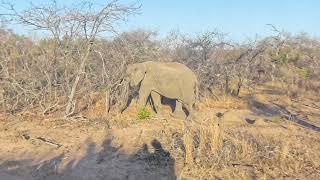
(190, 111)
(156, 99)
(178, 112)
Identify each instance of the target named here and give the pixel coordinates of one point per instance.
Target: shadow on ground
(273, 109)
(108, 163)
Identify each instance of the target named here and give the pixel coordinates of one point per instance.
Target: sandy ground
(37, 147)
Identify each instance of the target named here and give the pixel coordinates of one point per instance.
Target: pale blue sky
(239, 18)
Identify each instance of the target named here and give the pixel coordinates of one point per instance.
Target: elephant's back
(179, 68)
(174, 70)
(175, 77)
(175, 65)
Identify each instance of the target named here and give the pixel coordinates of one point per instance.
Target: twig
(49, 142)
(50, 109)
(159, 118)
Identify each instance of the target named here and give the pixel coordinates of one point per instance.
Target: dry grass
(208, 147)
(225, 102)
(233, 149)
(246, 154)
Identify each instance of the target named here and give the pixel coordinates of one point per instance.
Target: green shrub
(144, 114)
(276, 119)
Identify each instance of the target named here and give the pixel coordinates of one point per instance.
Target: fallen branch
(28, 137)
(49, 142)
(77, 118)
(246, 165)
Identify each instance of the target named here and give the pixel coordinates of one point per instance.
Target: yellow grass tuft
(225, 102)
(203, 140)
(216, 129)
(188, 143)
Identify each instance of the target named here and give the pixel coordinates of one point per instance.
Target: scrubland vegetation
(258, 114)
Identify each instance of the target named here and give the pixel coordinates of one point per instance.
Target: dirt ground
(121, 147)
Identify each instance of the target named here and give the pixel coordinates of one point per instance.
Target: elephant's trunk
(126, 79)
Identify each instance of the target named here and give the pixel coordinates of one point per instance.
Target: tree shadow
(272, 91)
(273, 109)
(108, 163)
(263, 109)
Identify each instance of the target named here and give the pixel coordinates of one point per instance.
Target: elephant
(164, 79)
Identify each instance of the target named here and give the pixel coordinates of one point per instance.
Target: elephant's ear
(139, 73)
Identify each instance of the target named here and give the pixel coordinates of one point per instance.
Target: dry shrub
(36, 74)
(96, 106)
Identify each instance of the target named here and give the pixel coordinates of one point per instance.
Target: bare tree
(82, 22)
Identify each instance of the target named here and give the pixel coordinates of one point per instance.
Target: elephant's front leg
(156, 99)
(144, 93)
(178, 112)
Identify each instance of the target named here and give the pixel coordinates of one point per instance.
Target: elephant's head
(135, 73)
